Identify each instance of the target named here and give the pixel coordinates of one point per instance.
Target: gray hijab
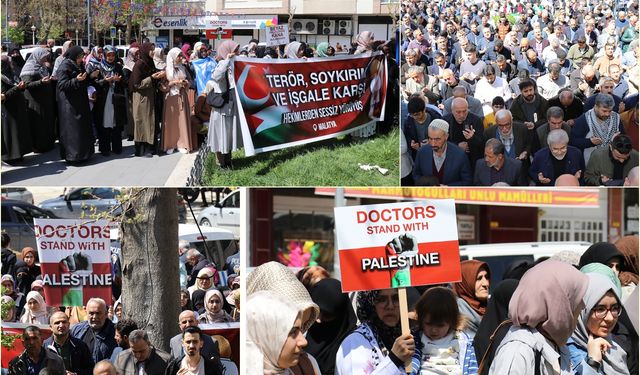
(615, 360)
(33, 65)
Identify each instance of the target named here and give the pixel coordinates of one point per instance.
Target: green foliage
(15, 35)
(7, 340)
(328, 163)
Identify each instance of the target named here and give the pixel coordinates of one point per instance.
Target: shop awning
(523, 197)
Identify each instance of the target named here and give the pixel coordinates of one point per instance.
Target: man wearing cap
(549, 85)
(441, 159)
(609, 166)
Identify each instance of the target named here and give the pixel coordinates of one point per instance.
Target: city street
(115, 170)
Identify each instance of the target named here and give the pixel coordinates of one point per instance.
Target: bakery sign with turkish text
(397, 244)
(75, 260)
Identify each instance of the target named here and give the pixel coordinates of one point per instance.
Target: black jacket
(211, 366)
(80, 360)
(52, 361)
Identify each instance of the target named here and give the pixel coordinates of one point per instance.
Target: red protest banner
(75, 260)
(289, 102)
(397, 245)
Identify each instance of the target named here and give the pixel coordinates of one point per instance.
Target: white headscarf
(130, 60)
(215, 317)
(196, 49)
(269, 321)
(291, 50)
(35, 316)
(174, 71)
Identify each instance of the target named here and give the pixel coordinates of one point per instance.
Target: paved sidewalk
(115, 170)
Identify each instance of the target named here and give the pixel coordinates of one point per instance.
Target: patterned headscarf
(104, 65)
(366, 312)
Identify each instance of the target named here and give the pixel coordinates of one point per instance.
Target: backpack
(494, 341)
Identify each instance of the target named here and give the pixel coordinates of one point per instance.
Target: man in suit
(442, 160)
(554, 121)
(495, 167)
(513, 135)
(141, 358)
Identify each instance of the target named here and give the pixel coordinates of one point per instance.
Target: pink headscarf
(226, 48)
(365, 42)
(185, 49)
(546, 298)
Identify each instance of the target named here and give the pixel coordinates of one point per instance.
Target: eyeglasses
(384, 300)
(600, 311)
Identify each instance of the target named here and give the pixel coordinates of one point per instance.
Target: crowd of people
(567, 314)
(100, 338)
(155, 97)
(520, 93)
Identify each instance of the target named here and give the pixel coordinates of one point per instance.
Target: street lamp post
(33, 34)
(119, 37)
(77, 37)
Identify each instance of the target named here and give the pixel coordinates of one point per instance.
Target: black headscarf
(73, 53)
(516, 269)
(23, 277)
(325, 338)
(497, 311)
(197, 299)
(366, 307)
(600, 252)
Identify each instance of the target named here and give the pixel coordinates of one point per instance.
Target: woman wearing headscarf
(204, 281)
(294, 50)
(30, 256)
(94, 59)
(628, 247)
(543, 309)
(497, 311)
(16, 137)
(224, 133)
(177, 132)
(195, 55)
(591, 343)
(605, 253)
(159, 58)
(12, 291)
(143, 87)
(65, 48)
(336, 321)
(186, 51)
(127, 69)
(275, 336)
(473, 292)
(214, 313)
(40, 100)
(197, 301)
(324, 49)
(76, 135)
(109, 111)
(365, 46)
(185, 300)
(35, 311)
(377, 345)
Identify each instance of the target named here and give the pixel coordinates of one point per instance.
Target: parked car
(17, 222)
(26, 51)
(500, 255)
(224, 214)
(83, 202)
(19, 194)
(216, 244)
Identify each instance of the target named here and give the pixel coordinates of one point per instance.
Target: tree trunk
(150, 275)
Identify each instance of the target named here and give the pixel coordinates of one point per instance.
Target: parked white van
(216, 244)
(500, 255)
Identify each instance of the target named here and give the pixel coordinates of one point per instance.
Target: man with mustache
(35, 357)
(74, 352)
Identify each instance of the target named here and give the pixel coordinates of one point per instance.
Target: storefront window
(303, 239)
